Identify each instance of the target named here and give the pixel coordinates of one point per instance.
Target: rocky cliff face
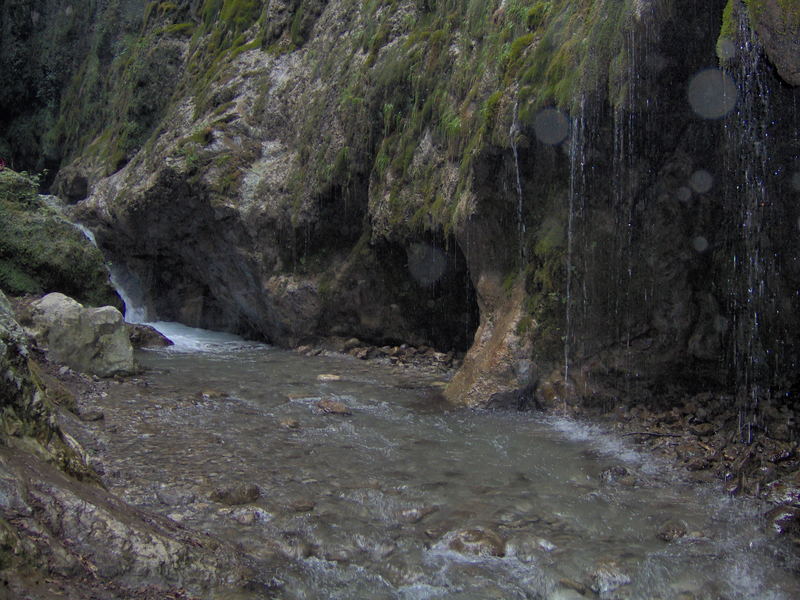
(574, 191)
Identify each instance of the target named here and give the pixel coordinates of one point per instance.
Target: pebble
(290, 423)
(174, 497)
(415, 515)
(328, 377)
(250, 515)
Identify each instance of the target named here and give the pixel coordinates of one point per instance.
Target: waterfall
(130, 290)
(125, 283)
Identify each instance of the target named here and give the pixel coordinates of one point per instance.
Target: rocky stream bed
(242, 471)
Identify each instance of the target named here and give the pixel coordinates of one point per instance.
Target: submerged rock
(671, 531)
(234, 495)
(333, 407)
(606, 577)
(478, 541)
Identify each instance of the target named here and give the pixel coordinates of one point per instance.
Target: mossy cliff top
(389, 75)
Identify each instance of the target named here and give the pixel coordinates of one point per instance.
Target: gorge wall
(572, 191)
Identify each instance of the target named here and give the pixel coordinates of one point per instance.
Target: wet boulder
(145, 336)
(90, 340)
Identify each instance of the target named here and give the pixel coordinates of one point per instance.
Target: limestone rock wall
(585, 200)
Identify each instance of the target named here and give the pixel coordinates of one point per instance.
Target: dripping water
(513, 134)
(752, 260)
(577, 162)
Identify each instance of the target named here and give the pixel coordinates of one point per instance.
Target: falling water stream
(513, 134)
(370, 505)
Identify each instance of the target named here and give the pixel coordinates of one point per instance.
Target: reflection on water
(371, 505)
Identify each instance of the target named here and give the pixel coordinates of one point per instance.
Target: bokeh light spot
(712, 93)
(700, 243)
(551, 126)
(684, 194)
(726, 49)
(701, 181)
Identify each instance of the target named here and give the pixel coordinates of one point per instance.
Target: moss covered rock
(40, 252)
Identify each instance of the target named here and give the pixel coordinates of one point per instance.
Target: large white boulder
(91, 340)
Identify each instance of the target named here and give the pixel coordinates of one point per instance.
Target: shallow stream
(406, 498)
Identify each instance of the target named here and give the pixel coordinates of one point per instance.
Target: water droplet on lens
(712, 94)
(551, 126)
(726, 49)
(700, 243)
(684, 194)
(701, 181)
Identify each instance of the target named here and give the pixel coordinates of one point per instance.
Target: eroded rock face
(91, 340)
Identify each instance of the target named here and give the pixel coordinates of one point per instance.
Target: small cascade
(86, 232)
(124, 282)
(513, 134)
(130, 290)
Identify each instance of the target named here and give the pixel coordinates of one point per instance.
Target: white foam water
(193, 339)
